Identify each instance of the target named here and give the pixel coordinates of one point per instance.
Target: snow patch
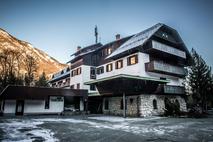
(25, 130)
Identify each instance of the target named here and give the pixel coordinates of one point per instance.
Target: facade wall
(138, 70)
(10, 106)
(83, 77)
(142, 105)
(115, 106)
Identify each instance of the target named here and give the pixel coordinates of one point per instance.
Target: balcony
(164, 68)
(157, 47)
(169, 89)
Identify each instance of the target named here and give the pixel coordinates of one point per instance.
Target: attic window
(109, 51)
(165, 35)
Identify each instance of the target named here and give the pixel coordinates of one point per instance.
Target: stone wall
(147, 109)
(115, 106)
(141, 105)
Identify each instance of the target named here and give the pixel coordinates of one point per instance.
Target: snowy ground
(105, 128)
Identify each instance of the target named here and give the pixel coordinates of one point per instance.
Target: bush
(196, 112)
(172, 108)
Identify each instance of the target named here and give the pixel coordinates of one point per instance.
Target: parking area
(102, 128)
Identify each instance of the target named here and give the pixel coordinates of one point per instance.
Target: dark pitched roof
(86, 49)
(38, 93)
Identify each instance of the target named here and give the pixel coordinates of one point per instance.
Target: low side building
(23, 100)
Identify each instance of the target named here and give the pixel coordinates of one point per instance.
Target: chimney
(78, 48)
(117, 36)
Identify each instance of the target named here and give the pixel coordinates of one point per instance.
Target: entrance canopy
(128, 84)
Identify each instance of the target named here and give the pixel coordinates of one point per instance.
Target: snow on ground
(104, 127)
(118, 123)
(121, 119)
(26, 130)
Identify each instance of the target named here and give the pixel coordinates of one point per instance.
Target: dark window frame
(116, 64)
(78, 86)
(72, 86)
(92, 87)
(100, 70)
(129, 60)
(107, 67)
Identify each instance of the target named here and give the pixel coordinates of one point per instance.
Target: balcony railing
(160, 47)
(169, 89)
(161, 67)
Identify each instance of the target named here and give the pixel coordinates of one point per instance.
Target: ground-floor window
(47, 104)
(131, 101)
(155, 104)
(106, 104)
(121, 104)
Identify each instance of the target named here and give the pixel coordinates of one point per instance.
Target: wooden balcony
(164, 68)
(157, 47)
(169, 89)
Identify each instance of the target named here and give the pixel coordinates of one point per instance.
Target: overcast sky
(59, 26)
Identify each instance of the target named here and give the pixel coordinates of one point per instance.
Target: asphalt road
(99, 128)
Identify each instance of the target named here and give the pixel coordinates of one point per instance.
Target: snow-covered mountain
(46, 63)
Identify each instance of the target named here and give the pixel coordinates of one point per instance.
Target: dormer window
(165, 35)
(109, 51)
(109, 67)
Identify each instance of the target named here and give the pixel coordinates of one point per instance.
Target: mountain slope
(46, 63)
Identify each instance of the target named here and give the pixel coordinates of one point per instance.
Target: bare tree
(31, 67)
(9, 67)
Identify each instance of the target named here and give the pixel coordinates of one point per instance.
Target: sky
(59, 26)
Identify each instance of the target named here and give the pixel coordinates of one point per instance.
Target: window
(106, 104)
(57, 99)
(72, 86)
(119, 64)
(165, 35)
(132, 60)
(92, 87)
(109, 67)
(131, 101)
(72, 73)
(78, 86)
(100, 70)
(78, 71)
(155, 104)
(109, 51)
(121, 105)
(92, 73)
(47, 104)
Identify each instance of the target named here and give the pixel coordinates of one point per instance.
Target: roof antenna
(96, 34)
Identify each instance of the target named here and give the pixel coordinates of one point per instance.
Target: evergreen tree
(42, 81)
(199, 81)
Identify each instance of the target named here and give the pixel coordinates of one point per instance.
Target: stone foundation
(141, 105)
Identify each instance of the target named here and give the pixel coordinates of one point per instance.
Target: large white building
(135, 75)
